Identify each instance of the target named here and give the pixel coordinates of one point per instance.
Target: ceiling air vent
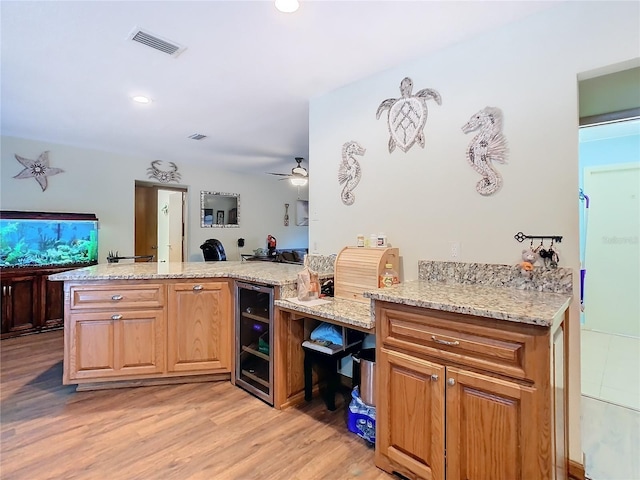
(151, 40)
(197, 136)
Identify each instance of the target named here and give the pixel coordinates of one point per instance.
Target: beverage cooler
(254, 339)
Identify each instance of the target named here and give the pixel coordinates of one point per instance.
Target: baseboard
(576, 470)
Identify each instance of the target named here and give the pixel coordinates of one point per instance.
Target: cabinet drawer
(458, 338)
(118, 296)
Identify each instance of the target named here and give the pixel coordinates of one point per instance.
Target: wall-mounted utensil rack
(521, 237)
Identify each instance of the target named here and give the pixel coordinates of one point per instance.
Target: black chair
(213, 251)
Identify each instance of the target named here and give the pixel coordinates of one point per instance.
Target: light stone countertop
(269, 273)
(340, 310)
(500, 303)
(532, 307)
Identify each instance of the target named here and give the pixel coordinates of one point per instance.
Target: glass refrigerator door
(254, 338)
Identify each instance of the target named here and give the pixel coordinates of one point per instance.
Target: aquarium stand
(34, 245)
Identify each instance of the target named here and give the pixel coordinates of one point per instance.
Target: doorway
(610, 258)
(159, 221)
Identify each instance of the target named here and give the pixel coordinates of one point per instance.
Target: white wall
(425, 199)
(103, 183)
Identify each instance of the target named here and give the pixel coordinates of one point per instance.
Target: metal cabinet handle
(455, 343)
(116, 297)
(434, 377)
(10, 287)
(197, 288)
(117, 316)
(451, 382)
(4, 291)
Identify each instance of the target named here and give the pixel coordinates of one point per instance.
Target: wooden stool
(330, 364)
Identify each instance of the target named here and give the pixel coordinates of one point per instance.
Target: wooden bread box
(357, 270)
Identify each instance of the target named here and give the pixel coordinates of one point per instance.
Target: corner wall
(104, 183)
(425, 199)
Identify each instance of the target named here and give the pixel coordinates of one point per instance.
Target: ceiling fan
(298, 176)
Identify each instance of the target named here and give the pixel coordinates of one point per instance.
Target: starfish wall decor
(38, 169)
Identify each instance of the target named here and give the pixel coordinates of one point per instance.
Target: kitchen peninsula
(144, 323)
(471, 359)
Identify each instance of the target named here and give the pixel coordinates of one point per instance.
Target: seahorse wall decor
(488, 146)
(407, 115)
(349, 172)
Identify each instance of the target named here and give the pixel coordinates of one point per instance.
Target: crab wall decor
(349, 172)
(162, 176)
(38, 169)
(488, 146)
(407, 115)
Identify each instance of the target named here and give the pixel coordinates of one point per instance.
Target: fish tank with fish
(42, 239)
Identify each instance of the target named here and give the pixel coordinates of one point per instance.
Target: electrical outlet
(455, 249)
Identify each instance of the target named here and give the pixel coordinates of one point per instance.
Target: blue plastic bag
(361, 417)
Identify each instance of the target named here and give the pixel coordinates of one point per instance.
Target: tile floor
(610, 440)
(610, 406)
(611, 368)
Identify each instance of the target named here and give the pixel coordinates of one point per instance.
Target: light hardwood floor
(193, 431)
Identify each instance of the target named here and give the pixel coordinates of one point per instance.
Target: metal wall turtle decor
(407, 115)
(349, 172)
(163, 176)
(38, 169)
(488, 146)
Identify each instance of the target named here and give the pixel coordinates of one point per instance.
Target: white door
(169, 226)
(612, 252)
(175, 226)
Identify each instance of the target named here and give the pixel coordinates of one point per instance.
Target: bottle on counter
(360, 240)
(373, 240)
(382, 240)
(389, 277)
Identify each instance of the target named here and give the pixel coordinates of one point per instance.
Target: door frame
(154, 211)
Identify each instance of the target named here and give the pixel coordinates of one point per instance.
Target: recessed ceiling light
(287, 6)
(141, 99)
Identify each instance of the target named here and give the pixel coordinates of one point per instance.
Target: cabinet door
(19, 303)
(51, 302)
(491, 428)
(410, 416)
(199, 329)
(110, 344)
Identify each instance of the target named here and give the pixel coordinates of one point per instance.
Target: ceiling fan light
(287, 6)
(298, 182)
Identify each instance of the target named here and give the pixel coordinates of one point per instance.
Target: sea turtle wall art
(407, 115)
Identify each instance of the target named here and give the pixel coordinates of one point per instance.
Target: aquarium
(38, 239)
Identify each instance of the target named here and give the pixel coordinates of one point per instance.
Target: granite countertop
(268, 273)
(523, 306)
(340, 310)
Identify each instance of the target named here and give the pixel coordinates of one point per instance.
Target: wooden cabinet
(30, 301)
(463, 397)
(119, 344)
(115, 331)
(19, 303)
(141, 330)
(199, 328)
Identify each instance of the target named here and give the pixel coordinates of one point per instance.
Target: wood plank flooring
(193, 431)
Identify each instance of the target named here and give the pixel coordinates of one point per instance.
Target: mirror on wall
(219, 209)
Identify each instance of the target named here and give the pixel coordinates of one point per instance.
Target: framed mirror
(219, 209)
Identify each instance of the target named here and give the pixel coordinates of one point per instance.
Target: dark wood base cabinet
(30, 301)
